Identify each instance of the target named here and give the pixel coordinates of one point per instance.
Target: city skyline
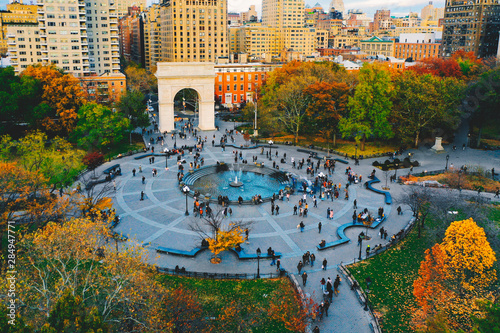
(398, 8)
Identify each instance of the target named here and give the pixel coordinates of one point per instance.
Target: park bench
(114, 168)
(342, 236)
(388, 197)
(242, 255)
(183, 253)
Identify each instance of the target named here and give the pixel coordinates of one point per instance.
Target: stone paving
(159, 220)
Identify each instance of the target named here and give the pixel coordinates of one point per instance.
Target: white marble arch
(175, 76)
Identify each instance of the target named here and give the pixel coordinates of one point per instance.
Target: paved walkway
(160, 220)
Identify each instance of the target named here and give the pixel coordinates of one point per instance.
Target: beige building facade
(194, 31)
(17, 13)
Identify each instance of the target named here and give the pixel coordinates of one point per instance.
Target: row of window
(235, 87)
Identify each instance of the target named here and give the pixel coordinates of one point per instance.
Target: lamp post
(186, 190)
(166, 159)
(270, 145)
(396, 172)
(255, 133)
(356, 152)
(258, 262)
(360, 246)
(368, 283)
(447, 158)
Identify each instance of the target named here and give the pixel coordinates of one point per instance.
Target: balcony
(11, 42)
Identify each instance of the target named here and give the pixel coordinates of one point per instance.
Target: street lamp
(396, 172)
(360, 245)
(270, 145)
(166, 159)
(258, 262)
(447, 158)
(368, 281)
(356, 152)
(186, 190)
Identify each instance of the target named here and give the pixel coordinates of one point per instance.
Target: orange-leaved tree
(225, 239)
(454, 276)
(62, 93)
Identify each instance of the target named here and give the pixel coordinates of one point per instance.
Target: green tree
(490, 321)
(139, 79)
(133, 107)
(423, 102)
(99, 127)
(19, 324)
(70, 315)
(56, 159)
(370, 107)
(484, 98)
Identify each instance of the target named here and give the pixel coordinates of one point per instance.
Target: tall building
(194, 30)
(381, 20)
(132, 36)
(338, 5)
(78, 36)
(283, 14)
(471, 26)
(250, 15)
(16, 13)
(122, 6)
(431, 13)
(103, 35)
(152, 36)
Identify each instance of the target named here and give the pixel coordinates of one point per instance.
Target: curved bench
(241, 147)
(388, 197)
(191, 253)
(342, 236)
(242, 255)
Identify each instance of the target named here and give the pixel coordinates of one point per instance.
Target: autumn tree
(221, 235)
(328, 105)
(370, 106)
(182, 311)
(56, 159)
(72, 316)
(454, 276)
(61, 93)
(139, 79)
(428, 289)
(72, 258)
(98, 127)
(423, 102)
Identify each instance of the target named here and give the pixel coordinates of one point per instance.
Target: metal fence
(206, 275)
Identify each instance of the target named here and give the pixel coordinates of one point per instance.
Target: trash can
(282, 272)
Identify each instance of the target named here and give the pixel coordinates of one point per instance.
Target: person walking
(302, 225)
(355, 204)
(336, 287)
(320, 225)
(133, 172)
(277, 210)
(381, 232)
(312, 258)
(316, 330)
(273, 259)
(304, 278)
(142, 195)
(367, 250)
(114, 185)
(295, 210)
(272, 209)
(325, 262)
(278, 265)
(299, 266)
(326, 306)
(400, 211)
(143, 180)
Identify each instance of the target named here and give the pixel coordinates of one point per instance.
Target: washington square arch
(176, 76)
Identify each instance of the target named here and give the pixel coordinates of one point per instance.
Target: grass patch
(342, 146)
(392, 274)
(125, 146)
(254, 295)
(465, 181)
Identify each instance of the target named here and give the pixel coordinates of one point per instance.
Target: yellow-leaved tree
(453, 277)
(225, 240)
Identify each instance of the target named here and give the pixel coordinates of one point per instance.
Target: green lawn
(125, 146)
(215, 294)
(392, 274)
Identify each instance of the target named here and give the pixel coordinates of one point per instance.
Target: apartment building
(250, 15)
(132, 36)
(282, 13)
(78, 36)
(107, 87)
(237, 83)
(103, 36)
(472, 26)
(417, 46)
(152, 36)
(122, 6)
(194, 30)
(430, 12)
(16, 13)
